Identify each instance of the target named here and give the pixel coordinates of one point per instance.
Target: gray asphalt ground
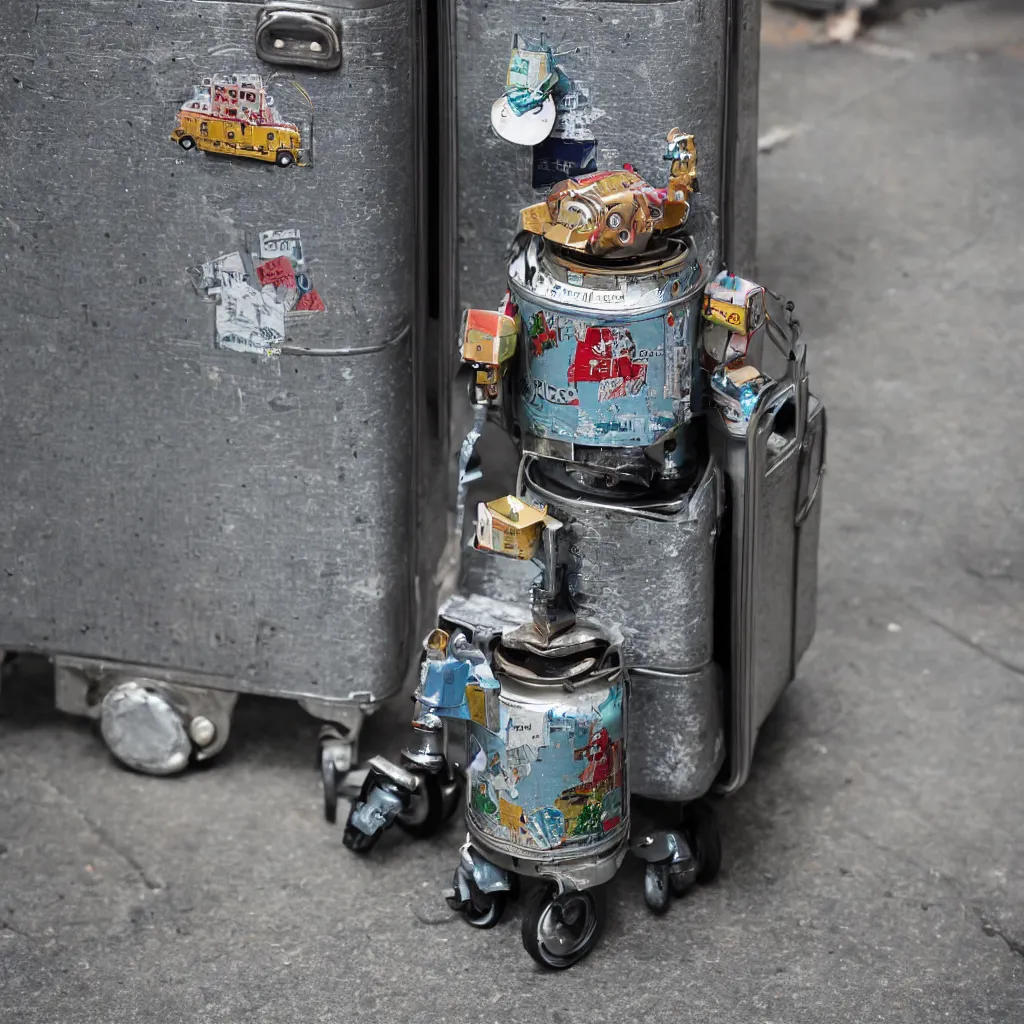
(873, 867)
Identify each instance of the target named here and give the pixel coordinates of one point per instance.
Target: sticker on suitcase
(252, 304)
(546, 107)
(234, 115)
(540, 98)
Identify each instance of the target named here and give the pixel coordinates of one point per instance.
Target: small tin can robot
(544, 708)
(667, 492)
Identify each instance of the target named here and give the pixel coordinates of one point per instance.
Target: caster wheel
(678, 882)
(559, 931)
(482, 909)
(705, 841)
(431, 806)
(358, 841)
(657, 887)
(144, 730)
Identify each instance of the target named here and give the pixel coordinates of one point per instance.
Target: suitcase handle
(743, 730)
(298, 35)
(812, 497)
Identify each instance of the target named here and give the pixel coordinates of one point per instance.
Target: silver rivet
(278, 44)
(315, 46)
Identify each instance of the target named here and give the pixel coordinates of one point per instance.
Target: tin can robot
(546, 790)
(668, 495)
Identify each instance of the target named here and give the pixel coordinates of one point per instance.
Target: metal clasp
(298, 36)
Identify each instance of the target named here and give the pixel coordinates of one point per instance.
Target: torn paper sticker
(280, 261)
(310, 303)
(278, 271)
(216, 272)
(281, 243)
(252, 304)
(527, 728)
(249, 320)
(575, 114)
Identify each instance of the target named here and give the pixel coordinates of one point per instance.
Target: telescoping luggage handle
(792, 389)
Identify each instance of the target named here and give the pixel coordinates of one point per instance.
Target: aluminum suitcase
(699, 65)
(616, 58)
(633, 68)
(210, 465)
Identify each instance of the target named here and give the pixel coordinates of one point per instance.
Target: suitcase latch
(298, 36)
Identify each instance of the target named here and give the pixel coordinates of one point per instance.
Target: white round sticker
(531, 128)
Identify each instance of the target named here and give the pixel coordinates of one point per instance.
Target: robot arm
(487, 342)
(455, 682)
(739, 315)
(681, 151)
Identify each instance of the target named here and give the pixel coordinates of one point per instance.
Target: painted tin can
(551, 783)
(607, 364)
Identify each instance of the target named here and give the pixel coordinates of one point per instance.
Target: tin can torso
(607, 358)
(552, 781)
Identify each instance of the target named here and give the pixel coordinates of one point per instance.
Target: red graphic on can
(606, 353)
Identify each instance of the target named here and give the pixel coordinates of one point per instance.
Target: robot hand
(487, 342)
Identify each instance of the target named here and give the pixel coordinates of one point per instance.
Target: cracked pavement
(872, 864)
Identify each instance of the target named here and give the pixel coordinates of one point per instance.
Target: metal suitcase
(709, 86)
(616, 55)
(636, 69)
(714, 592)
(768, 610)
(195, 505)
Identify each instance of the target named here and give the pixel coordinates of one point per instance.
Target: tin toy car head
(615, 213)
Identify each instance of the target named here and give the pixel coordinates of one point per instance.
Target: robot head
(615, 213)
(611, 212)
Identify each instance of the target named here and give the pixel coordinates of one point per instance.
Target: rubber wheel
(482, 909)
(677, 884)
(702, 831)
(187, 142)
(657, 888)
(424, 816)
(329, 774)
(284, 158)
(359, 842)
(559, 931)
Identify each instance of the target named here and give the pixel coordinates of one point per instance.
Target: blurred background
(872, 867)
